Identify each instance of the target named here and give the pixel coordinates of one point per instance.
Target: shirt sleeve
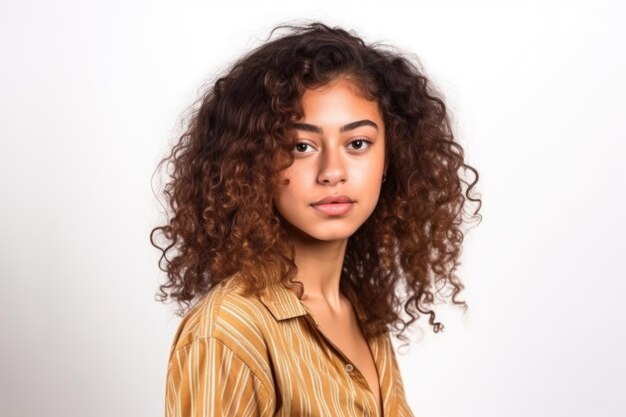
(207, 379)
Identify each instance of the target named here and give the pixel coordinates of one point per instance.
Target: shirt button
(349, 367)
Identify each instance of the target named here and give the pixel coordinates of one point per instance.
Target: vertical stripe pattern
(244, 356)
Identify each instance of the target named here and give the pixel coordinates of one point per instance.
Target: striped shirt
(246, 356)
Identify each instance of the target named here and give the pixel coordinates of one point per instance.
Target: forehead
(338, 100)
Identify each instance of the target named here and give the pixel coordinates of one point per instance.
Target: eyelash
(369, 142)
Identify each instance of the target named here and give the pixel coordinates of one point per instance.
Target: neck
(319, 268)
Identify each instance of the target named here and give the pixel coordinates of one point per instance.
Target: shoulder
(226, 315)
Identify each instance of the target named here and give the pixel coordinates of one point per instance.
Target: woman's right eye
(300, 147)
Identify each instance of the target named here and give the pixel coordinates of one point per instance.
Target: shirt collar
(285, 304)
(282, 303)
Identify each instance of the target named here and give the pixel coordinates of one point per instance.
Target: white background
(91, 98)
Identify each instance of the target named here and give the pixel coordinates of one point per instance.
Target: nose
(332, 169)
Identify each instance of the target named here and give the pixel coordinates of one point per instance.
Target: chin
(321, 232)
(330, 232)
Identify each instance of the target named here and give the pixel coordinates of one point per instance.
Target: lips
(334, 199)
(334, 205)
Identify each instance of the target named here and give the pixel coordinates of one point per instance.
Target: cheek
(369, 186)
(287, 192)
(293, 181)
(365, 176)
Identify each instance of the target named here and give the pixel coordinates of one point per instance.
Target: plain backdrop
(91, 95)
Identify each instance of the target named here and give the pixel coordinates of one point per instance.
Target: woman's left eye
(360, 143)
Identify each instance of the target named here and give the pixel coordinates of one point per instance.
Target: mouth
(333, 209)
(334, 199)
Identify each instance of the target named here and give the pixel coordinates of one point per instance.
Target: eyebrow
(350, 126)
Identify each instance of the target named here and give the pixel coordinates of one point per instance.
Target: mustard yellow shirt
(239, 356)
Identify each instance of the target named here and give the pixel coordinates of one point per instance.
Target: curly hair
(222, 220)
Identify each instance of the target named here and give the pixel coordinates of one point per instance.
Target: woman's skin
(331, 163)
(336, 160)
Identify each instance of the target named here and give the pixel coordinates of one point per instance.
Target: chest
(351, 342)
(307, 370)
(344, 332)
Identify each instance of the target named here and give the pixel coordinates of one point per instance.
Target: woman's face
(340, 152)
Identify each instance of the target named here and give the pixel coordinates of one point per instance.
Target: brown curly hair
(223, 167)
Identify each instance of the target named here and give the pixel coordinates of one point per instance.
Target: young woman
(315, 194)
